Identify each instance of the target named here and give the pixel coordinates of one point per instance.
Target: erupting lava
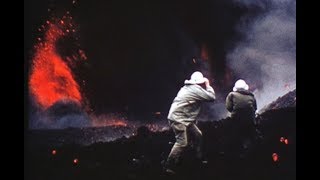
(51, 79)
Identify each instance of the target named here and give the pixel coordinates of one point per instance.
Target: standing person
(242, 105)
(182, 117)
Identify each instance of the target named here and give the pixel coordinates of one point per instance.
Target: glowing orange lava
(51, 79)
(109, 122)
(116, 123)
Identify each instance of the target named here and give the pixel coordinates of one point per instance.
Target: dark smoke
(215, 111)
(266, 57)
(189, 54)
(191, 61)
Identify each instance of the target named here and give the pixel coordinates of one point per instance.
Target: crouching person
(182, 117)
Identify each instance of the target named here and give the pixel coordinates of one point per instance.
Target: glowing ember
(82, 54)
(51, 79)
(282, 139)
(275, 157)
(54, 152)
(75, 161)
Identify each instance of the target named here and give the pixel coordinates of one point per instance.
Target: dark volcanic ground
(140, 156)
(134, 154)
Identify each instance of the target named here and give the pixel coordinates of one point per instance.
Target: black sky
(140, 52)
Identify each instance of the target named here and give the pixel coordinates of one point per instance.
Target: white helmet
(196, 78)
(240, 84)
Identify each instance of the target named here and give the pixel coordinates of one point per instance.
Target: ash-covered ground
(138, 153)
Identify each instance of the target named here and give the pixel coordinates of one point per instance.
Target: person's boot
(169, 172)
(168, 168)
(200, 158)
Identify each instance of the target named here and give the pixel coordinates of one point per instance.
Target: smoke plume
(266, 56)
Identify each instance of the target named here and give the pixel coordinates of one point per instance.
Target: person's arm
(206, 94)
(257, 118)
(208, 87)
(254, 104)
(229, 102)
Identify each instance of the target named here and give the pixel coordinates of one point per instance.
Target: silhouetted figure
(182, 117)
(242, 105)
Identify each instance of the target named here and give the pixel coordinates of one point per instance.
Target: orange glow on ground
(109, 122)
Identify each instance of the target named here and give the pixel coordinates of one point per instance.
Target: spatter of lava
(51, 79)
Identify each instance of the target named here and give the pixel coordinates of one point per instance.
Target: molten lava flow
(51, 79)
(109, 122)
(116, 123)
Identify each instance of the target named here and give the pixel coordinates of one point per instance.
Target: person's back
(241, 104)
(186, 105)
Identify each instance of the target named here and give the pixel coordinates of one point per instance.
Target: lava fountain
(51, 79)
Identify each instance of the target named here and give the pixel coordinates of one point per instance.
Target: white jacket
(187, 104)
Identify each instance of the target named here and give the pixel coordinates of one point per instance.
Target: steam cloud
(266, 57)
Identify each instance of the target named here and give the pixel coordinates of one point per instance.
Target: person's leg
(179, 146)
(196, 133)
